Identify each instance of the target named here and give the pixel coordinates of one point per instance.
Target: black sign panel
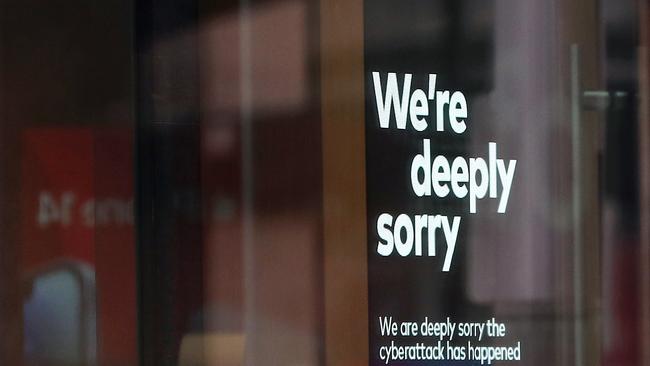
(419, 311)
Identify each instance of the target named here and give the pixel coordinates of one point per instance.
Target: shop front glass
(298, 182)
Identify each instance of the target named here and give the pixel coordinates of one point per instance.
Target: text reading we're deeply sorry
(401, 107)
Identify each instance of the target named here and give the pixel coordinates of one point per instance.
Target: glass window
(294, 182)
